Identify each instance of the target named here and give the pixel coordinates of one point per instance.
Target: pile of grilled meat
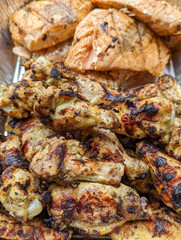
(82, 153)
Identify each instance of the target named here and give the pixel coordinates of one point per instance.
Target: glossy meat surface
(162, 17)
(42, 24)
(57, 53)
(111, 40)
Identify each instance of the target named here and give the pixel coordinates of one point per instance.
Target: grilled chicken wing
(41, 69)
(94, 209)
(111, 40)
(91, 86)
(10, 152)
(143, 185)
(162, 17)
(166, 173)
(162, 225)
(173, 148)
(20, 193)
(96, 87)
(35, 229)
(104, 145)
(111, 79)
(166, 87)
(94, 90)
(61, 110)
(99, 144)
(42, 24)
(19, 188)
(55, 108)
(53, 157)
(148, 117)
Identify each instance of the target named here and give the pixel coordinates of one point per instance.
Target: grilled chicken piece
(143, 185)
(142, 118)
(12, 229)
(91, 85)
(111, 79)
(166, 174)
(166, 87)
(39, 69)
(111, 40)
(104, 145)
(10, 152)
(94, 209)
(42, 69)
(20, 193)
(56, 108)
(61, 110)
(162, 17)
(100, 145)
(162, 225)
(42, 24)
(54, 158)
(96, 87)
(173, 148)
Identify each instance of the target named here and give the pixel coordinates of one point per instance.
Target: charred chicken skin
(165, 172)
(98, 89)
(60, 109)
(148, 117)
(20, 193)
(173, 147)
(93, 208)
(13, 229)
(56, 108)
(166, 87)
(162, 225)
(10, 152)
(52, 157)
(76, 155)
(105, 145)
